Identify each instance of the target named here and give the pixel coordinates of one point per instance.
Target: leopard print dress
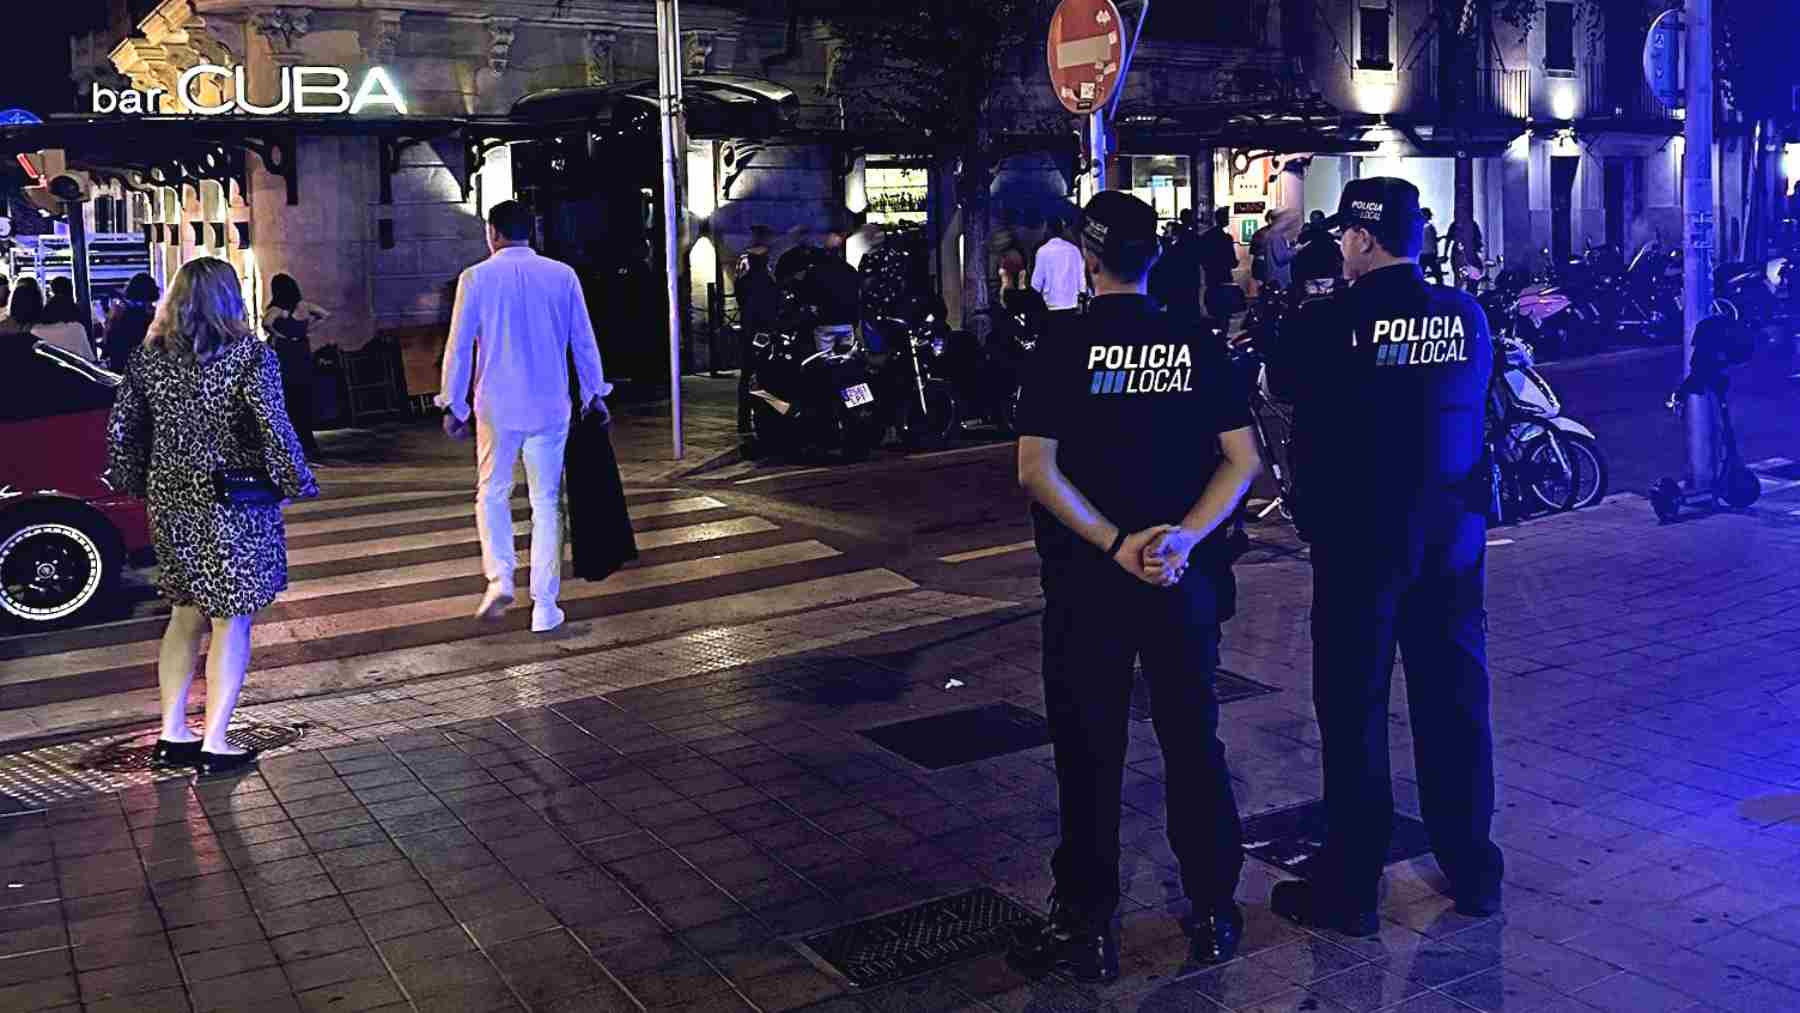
(173, 423)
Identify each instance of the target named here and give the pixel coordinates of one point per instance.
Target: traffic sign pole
(1697, 200)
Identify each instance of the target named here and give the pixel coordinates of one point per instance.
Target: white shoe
(543, 620)
(494, 604)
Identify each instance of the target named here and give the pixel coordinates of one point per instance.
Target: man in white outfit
(529, 317)
(1060, 273)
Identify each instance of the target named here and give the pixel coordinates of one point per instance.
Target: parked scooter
(1720, 342)
(1555, 315)
(1536, 411)
(988, 378)
(808, 401)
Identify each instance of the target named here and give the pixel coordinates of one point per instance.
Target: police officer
(1133, 452)
(1388, 379)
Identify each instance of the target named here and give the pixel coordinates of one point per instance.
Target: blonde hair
(203, 313)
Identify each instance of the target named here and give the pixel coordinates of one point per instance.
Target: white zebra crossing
(391, 619)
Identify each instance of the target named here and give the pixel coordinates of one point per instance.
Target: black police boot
(1214, 934)
(1301, 902)
(1070, 941)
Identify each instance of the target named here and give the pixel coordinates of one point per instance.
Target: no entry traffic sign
(1086, 53)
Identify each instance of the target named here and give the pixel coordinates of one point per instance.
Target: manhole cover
(131, 756)
(1230, 686)
(965, 736)
(936, 934)
(1290, 838)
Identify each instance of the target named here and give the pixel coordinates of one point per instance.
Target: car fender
(15, 506)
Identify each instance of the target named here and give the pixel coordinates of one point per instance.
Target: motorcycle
(914, 394)
(1555, 314)
(1638, 299)
(1720, 342)
(988, 378)
(804, 400)
(1536, 411)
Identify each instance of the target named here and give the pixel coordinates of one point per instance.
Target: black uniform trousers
(1433, 609)
(1098, 621)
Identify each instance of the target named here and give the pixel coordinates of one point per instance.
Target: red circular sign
(1086, 53)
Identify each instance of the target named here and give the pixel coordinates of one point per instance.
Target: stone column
(1200, 180)
(325, 241)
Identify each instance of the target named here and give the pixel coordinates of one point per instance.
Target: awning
(718, 106)
(1300, 125)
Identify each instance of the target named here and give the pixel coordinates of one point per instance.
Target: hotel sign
(305, 91)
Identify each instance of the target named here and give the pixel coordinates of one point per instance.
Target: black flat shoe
(1299, 902)
(226, 763)
(1085, 948)
(175, 754)
(1213, 937)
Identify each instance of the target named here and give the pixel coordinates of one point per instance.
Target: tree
(946, 71)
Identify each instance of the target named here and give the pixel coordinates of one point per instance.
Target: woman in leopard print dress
(202, 393)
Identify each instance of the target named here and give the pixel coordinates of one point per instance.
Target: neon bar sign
(304, 91)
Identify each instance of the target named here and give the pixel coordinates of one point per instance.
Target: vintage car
(66, 535)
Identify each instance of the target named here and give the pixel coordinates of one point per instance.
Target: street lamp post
(668, 43)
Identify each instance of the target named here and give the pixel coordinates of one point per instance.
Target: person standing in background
(518, 322)
(130, 321)
(5, 297)
(23, 313)
(759, 306)
(62, 324)
(289, 321)
(1431, 256)
(1060, 272)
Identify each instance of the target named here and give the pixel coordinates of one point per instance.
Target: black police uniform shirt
(1136, 402)
(1388, 379)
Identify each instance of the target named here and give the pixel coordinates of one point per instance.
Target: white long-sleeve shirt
(1060, 275)
(528, 315)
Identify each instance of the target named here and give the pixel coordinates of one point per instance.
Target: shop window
(898, 191)
(1375, 38)
(1559, 36)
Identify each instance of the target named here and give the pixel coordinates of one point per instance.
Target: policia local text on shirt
(1388, 380)
(1134, 449)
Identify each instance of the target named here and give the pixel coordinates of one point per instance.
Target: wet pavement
(659, 824)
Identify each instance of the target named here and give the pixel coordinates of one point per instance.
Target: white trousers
(497, 452)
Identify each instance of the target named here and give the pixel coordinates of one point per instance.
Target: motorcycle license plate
(857, 396)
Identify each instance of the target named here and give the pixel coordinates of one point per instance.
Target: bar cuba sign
(305, 91)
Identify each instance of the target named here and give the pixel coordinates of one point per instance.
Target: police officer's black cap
(1384, 205)
(1115, 222)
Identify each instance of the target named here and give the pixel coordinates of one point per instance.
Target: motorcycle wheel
(1591, 472)
(932, 430)
(1009, 412)
(1554, 484)
(857, 435)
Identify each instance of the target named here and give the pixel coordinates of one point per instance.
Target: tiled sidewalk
(659, 847)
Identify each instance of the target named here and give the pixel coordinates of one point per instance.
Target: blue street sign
(1663, 51)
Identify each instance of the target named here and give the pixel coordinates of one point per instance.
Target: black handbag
(245, 487)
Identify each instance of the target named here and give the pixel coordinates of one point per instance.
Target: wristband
(1118, 543)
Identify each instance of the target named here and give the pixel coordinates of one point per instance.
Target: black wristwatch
(1118, 543)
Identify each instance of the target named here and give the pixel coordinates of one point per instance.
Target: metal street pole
(1697, 198)
(668, 42)
(1097, 147)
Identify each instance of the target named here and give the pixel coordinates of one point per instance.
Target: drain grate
(1290, 838)
(1230, 687)
(965, 736)
(887, 948)
(132, 756)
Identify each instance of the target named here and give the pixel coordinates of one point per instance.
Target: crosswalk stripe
(300, 631)
(625, 580)
(330, 503)
(581, 635)
(998, 550)
(358, 522)
(469, 537)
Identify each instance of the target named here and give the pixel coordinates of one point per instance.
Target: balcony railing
(1612, 100)
(1498, 93)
